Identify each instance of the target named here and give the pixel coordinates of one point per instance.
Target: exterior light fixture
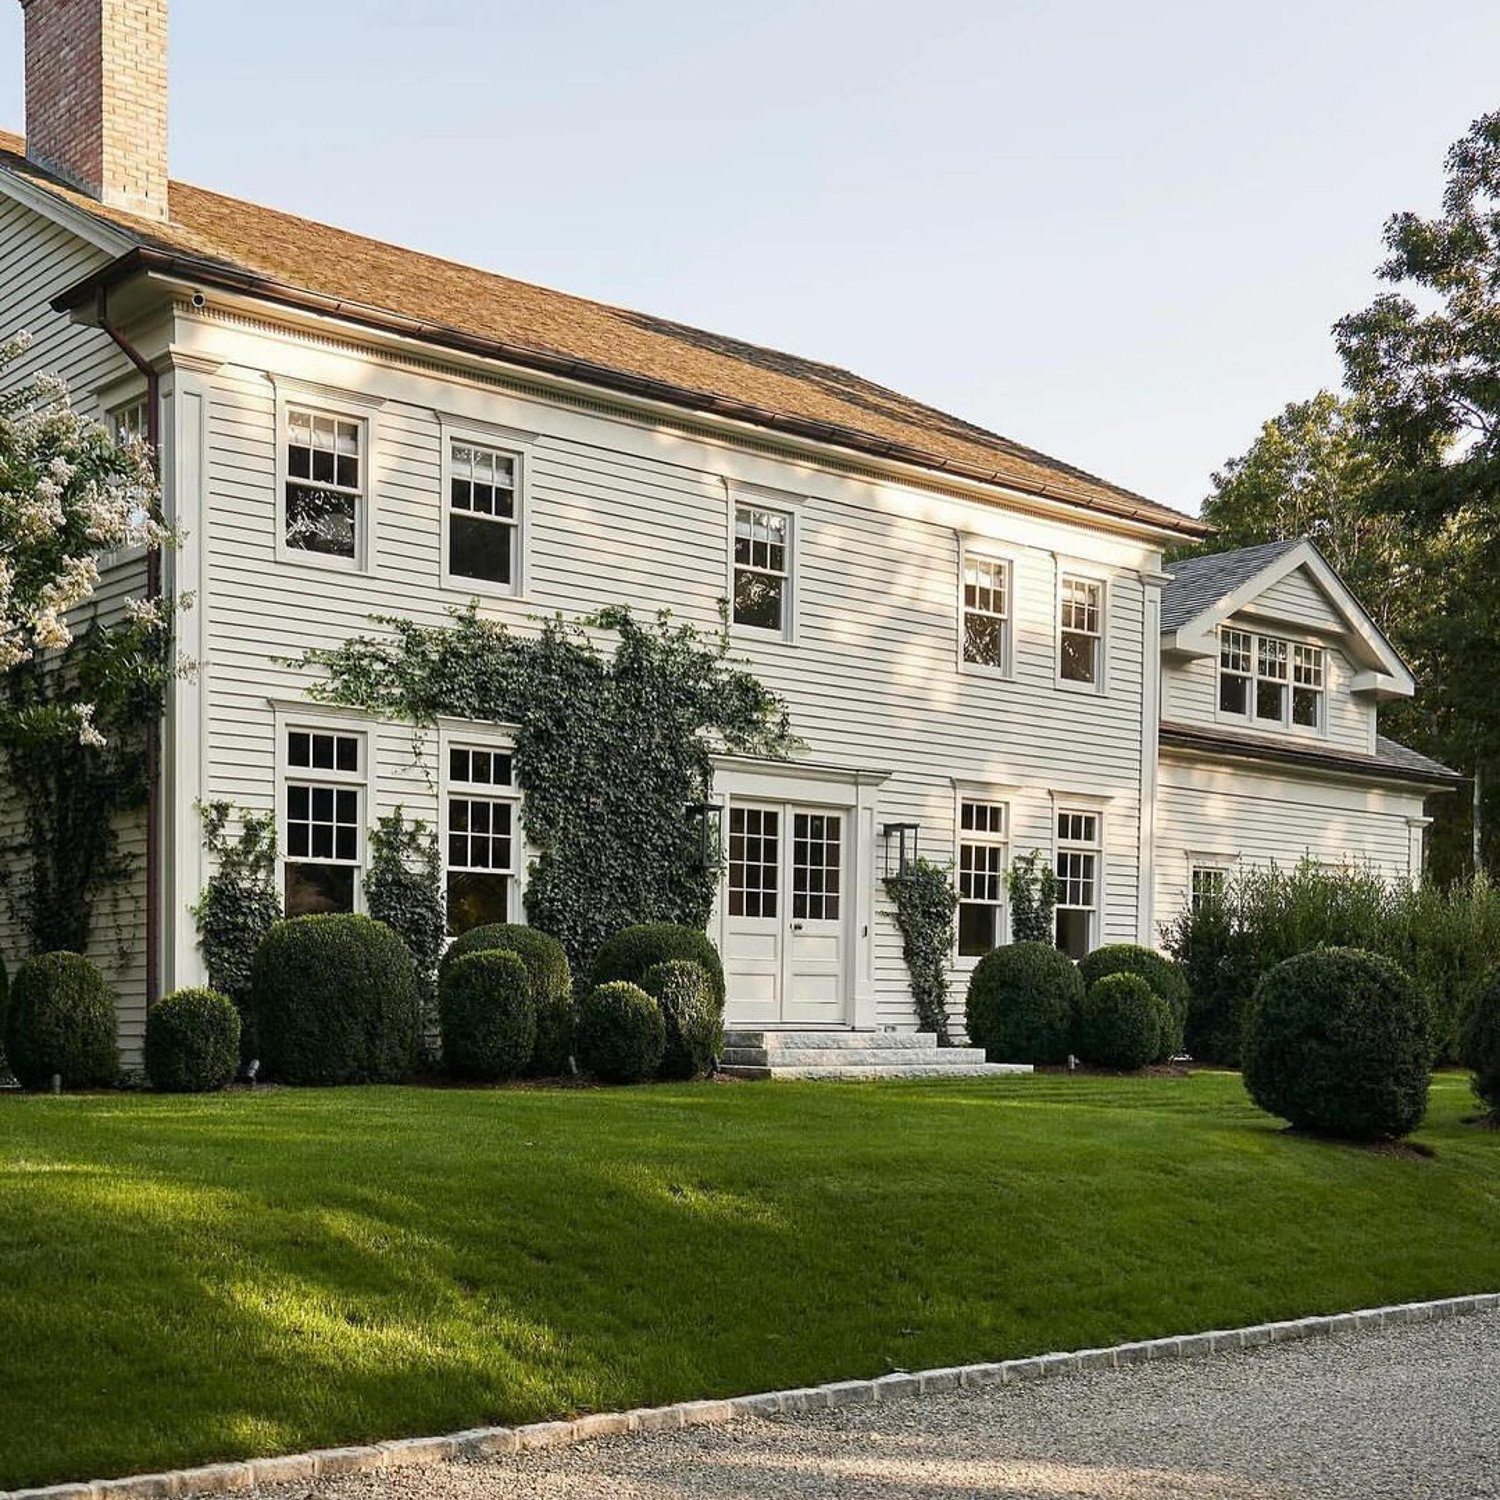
(706, 818)
(900, 839)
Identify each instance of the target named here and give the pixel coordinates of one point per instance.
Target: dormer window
(1267, 680)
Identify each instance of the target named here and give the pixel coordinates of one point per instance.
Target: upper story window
(983, 854)
(1080, 629)
(483, 542)
(986, 611)
(483, 836)
(1269, 680)
(762, 568)
(323, 796)
(1079, 853)
(325, 483)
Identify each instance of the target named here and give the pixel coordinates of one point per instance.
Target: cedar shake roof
(280, 257)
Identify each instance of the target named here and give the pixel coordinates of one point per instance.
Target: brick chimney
(96, 98)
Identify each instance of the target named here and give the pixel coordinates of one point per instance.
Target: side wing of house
(1272, 676)
(39, 258)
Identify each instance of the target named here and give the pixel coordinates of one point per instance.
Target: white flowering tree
(82, 695)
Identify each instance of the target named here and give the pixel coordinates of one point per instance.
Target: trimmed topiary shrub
(629, 953)
(335, 1001)
(61, 1021)
(1021, 1003)
(1337, 1041)
(695, 1035)
(1480, 1042)
(621, 1033)
(551, 986)
(487, 1013)
(1120, 1022)
(1165, 978)
(192, 1042)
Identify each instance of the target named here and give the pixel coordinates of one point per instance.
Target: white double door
(785, 915)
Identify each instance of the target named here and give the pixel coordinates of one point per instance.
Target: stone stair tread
(792, 1057)
(861, 1040)
(876, 1071)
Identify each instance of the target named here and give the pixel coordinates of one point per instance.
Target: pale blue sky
(1116, 232)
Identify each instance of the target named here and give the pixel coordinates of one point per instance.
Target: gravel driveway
(1406, 1412)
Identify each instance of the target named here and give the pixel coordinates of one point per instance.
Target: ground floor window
(323, 817)
(1207, 883)
(983, 853)
(1078, 878)
(482, 833)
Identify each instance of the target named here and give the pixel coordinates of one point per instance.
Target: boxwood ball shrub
(1021, 1003)
(633, 950)
(487, 1013)
(335, 1001)
(192, 1042)
(1120, 1022)
(1479, 1045)
(61, 1021)
(1337, 1042)
(694, 1032)
(621, 1033)
(1165, 978)
(551, 986)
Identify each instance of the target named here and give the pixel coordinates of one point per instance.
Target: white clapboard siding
(37, 261)
(1298, 600)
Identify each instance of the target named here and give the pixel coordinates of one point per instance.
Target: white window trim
(981, 551)
(352, 407)
(514, 444)
(1249, 719)
(289, 721)
(121, 397)
(1195, 860)
(1003, 797)
(1095, 808)
(461, 734)
(782, 504)
(1100, 686)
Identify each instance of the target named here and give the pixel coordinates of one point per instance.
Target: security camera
(199, 300)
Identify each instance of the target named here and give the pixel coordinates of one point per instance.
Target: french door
(785, 914)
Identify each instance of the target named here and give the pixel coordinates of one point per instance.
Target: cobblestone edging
(485, 1442)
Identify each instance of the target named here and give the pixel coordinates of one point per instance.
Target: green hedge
(551, 986)
(1337, 1042)
(1166, 979)
(621, 1033)
(1021, 1004)
(629, 953)
(1120, 1022)
(335, 1001)
(61, 1021)
(192, 1042)
(487, 1012)
(1480, 1049)
(694, 1032)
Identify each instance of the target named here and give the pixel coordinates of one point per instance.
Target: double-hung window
(1080, 632)
(482, 822)
(326, 510)
(986, 611)
(983, 855)
(323, 817)
(1079, 857)
(1267, 680)
(762, 568)
(1307, 687)
(1207, 885)
(484, 515)
(128, 423)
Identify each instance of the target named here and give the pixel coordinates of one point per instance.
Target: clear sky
(1117, 232)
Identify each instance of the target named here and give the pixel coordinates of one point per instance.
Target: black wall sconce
(900, 839)
(706, 818)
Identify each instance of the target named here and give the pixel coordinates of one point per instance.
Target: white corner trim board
(489, 1442)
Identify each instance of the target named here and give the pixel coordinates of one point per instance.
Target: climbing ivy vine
(925, 905)
(404, 889)
(610, 748)
(240, 902)
(1032, 885)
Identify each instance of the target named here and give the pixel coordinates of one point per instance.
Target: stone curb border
(487, 1442)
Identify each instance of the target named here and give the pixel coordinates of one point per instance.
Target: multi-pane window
(754, 861)
(986, 620)
(1080, 629)
(762, 567)
(129, 422)
(482, 835)
(1078, 859)
(1207, 884)
(817, 849)
(325, 483)
(1269, 680)
(323, 797)
(983, 845)
(483, 514)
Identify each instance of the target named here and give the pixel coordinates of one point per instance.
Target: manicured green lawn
(184, 1280)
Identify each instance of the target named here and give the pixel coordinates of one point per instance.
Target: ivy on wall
(240, 902)
(404, 889)
(925, 905)
(1031, 883)
(610, 749)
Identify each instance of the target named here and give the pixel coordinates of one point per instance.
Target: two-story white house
(972, 637)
